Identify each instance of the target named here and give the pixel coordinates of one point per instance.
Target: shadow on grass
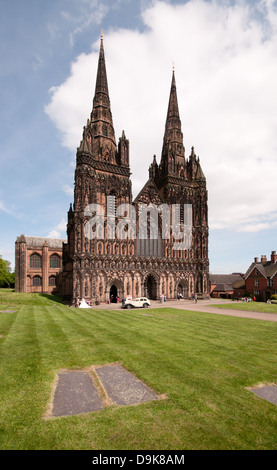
(53, 298)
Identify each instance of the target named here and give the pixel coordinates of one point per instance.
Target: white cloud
(8, 210)
(68, 190)
(90, 12)
(59, 231)
(225, 61)
(3, 208)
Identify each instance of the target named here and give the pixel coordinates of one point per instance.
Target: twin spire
(101, 115)
(101, 79)
(102, 129)
(173, 136)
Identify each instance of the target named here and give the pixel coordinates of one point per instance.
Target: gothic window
(55, 261)
(52, 281)
(105, 130)
(37, 281)
(35, 261)
(111, 202)
(256, 282)
(149, 241)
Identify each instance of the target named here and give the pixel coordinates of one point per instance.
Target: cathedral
(103, 265)
(118, 246)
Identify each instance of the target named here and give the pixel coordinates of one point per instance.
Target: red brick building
(38, 263)
(223, 285)
(261, 277)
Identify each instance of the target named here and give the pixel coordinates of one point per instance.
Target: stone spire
(98, 139)
(173, 152)
(101, 115)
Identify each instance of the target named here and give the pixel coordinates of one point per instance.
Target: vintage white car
(138, 302)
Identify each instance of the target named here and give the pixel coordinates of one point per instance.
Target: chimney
(263, 259)
(256, 260)
(273, 257)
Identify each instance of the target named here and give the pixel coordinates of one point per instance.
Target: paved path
(201, 306)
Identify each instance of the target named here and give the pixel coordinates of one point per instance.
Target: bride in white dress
(83, 304)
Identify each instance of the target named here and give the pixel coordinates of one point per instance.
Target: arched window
(55, 261)
(52, 281)
(149, 241)
(35, 261)
(111, 204)
(37, 281)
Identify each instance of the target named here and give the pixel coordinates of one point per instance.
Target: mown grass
(203, 363)
(253, 306)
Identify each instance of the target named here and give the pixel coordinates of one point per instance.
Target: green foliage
(6, 276)
(273, 297)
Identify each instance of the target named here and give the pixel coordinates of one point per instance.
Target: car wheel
(145, 305)
(128, 306)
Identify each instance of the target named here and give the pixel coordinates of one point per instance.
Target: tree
(6, 276)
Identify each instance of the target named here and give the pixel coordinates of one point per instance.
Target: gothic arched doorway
(150, 287)
(183, 290)
(113, 294)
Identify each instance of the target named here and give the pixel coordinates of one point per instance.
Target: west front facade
(118, 246)
(102, 265)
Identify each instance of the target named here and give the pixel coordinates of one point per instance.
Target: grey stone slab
(75, 394)
(7, 311)
(122, 387)
(268, 392)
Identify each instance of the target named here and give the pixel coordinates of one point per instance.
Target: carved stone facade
(108, 266)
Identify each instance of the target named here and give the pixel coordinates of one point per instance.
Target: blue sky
(224, 54)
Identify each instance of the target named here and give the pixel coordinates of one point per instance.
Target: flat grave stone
(7, 311)
(75, 394)
(122, 387)
(268, 392)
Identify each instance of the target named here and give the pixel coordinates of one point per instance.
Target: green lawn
(254, 306)
(203, 363)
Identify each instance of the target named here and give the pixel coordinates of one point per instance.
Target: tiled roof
(223, 288)
(267, 269)
(239, 284)
(225, 278)
(39, 241)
